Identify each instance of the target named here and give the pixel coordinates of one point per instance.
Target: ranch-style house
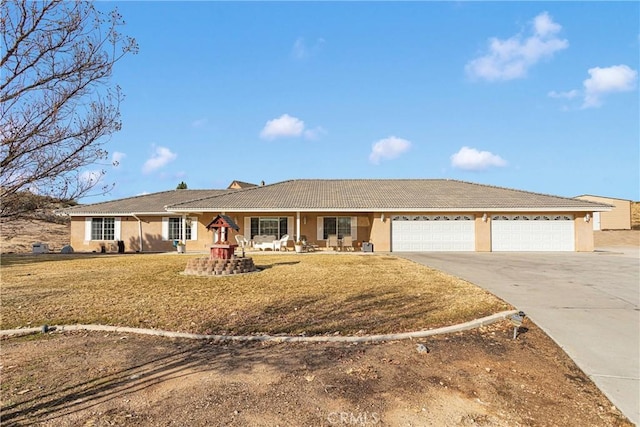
(388, 214)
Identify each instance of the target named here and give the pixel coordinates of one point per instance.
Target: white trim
(87, 229)
(354, 228)
(247, 227)
(320, 233)
(165, 228)
(194, 227)
(117, 228)
(450, 210)
(290, 222)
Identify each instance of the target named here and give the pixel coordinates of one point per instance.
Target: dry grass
(294, 294)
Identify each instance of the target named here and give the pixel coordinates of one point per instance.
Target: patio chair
(281, 245)
(347, 243)
(306, 245)
(332, 241)
(242, 241)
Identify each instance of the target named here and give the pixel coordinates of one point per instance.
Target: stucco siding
(583, 233)
(147, 235)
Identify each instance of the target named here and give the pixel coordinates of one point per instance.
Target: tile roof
(382, 194)
(146, 204)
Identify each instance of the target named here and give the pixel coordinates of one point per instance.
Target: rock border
(476, 323)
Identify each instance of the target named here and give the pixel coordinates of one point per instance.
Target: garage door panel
(430, 235)
(528, 235)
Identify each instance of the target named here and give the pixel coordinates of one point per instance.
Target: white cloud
(314, 133)
(511, 58)
(563, 95)
(289, 126)
(116, 158)
(161, 157)
(388, 148)
(474, 160)
(300, 50)
(199, 123)
(618, 78)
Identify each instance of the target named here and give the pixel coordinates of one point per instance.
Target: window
(175, 229)
(172, 228)
(269, 226)
(340, 225)
(103, 229)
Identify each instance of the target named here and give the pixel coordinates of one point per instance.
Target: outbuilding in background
(619, 218)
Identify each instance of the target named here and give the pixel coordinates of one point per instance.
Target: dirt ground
(616, 238)
(19, 236)
(474, 378)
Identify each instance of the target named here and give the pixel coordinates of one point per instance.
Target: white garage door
(433, 233)
(532, 233)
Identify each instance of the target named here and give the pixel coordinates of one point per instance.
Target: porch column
(183, 229)
(297, 226)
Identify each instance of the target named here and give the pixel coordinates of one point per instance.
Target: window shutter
(165, 228)
(290, 228)
(87, 229)
(194, 227)
(117, 228)
(354, 227)
(247, 227)
(320, 235)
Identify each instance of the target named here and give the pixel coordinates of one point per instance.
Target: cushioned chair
(347, 243)
(332, 241)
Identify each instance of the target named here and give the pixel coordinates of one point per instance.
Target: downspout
(139, 232)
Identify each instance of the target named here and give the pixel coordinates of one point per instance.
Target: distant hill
(41, 225)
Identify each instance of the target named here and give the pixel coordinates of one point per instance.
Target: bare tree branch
(57, 106)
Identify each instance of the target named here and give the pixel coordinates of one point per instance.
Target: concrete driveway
(587, 302)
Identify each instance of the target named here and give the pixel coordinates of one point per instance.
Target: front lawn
(294, 294)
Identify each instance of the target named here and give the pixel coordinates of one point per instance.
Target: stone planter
(181, 249)
(299, 248)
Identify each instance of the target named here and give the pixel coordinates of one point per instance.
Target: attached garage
(430, 233)
(532, 233)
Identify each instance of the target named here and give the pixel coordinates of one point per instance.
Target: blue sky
(540, 96)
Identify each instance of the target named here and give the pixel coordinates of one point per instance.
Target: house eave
(401, 209)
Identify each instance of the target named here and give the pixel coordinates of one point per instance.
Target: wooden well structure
(222, 259)
(222, 248)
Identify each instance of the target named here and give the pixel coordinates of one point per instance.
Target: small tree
(57, 109)
(182, 186)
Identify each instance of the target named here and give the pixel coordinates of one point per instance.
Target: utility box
(367, 247)
(40, 248)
